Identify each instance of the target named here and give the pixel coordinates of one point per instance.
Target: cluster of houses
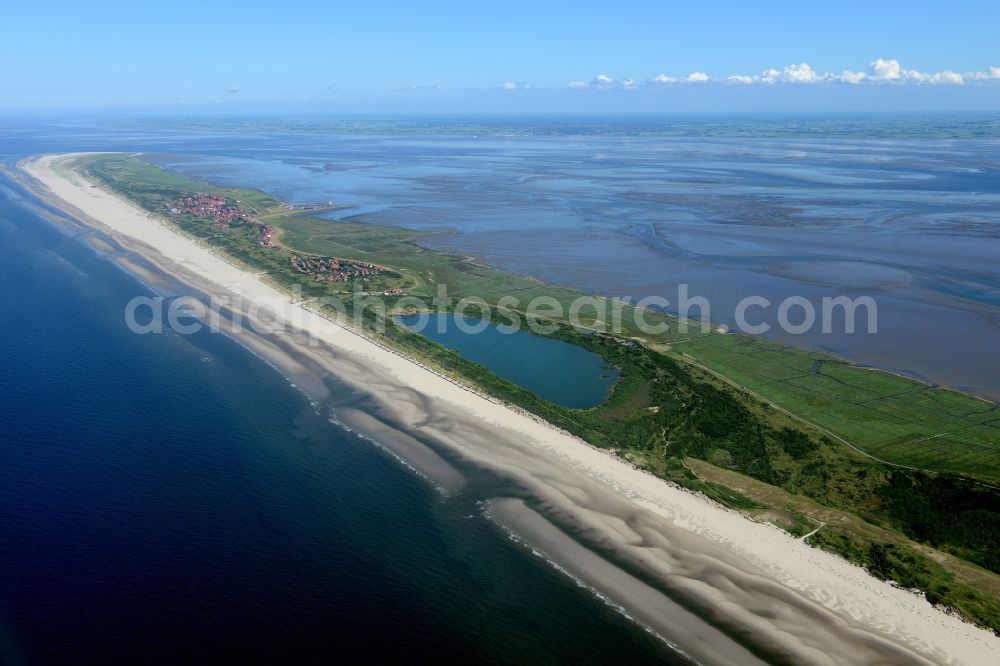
(329, 269)
(223, 211)
(267, 236)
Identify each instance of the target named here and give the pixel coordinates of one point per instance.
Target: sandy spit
(715, 584)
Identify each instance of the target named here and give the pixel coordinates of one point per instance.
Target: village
(222, 211)
(330, 269)
(225, 213)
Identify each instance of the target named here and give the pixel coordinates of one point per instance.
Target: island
(739, 480)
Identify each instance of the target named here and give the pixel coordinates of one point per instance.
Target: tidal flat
(915, 224)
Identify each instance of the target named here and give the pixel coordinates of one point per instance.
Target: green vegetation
(887, 416)
(782, 434)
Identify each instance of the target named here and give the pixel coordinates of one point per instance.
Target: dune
(716, 585)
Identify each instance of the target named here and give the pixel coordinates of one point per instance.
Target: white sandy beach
(752, 579)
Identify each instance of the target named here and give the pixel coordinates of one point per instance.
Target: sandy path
(755, 581)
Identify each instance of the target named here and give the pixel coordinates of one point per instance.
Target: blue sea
(170, 498)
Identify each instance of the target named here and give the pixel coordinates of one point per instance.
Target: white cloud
(769, 76)
(881, 71)
(602, 82)
(892, 71)
(992, 73)
(801, 73)
(663, 79)
(848, 76)
(947, 76)
(510, 85)
(888, 70)
(232, 89)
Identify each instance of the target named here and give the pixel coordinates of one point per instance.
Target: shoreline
(800, 602)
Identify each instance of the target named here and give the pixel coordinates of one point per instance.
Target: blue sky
(500, 56)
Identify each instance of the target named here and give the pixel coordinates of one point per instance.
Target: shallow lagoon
(558, 371)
